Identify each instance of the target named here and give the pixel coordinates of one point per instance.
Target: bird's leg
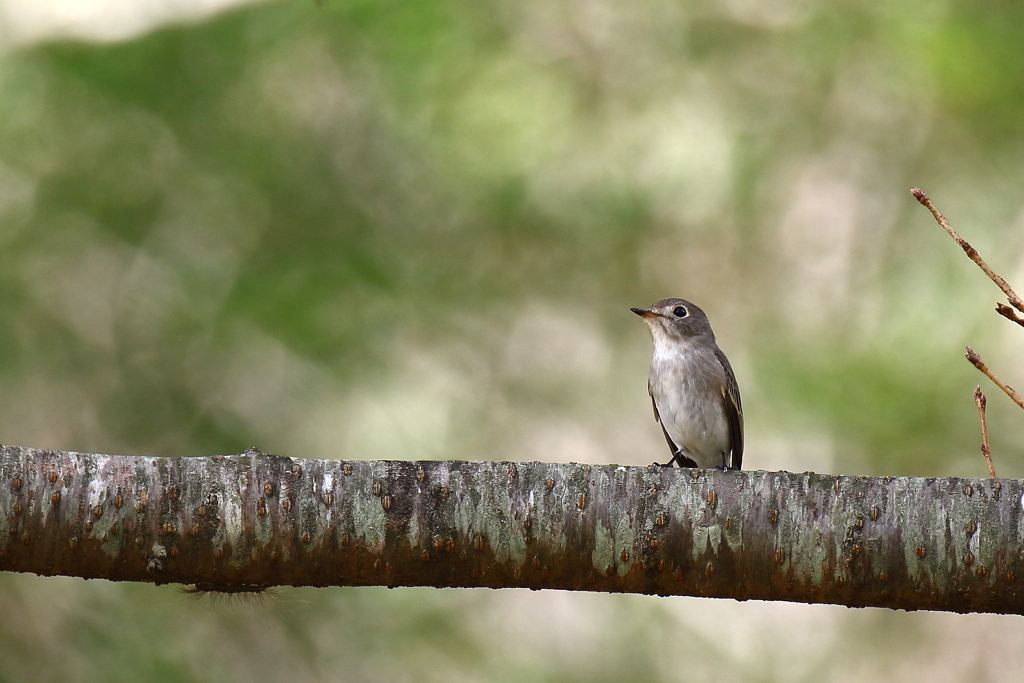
(683, 460)
(677, 459)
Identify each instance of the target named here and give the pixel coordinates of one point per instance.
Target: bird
(693, 388)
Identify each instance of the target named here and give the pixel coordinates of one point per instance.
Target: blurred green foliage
(396, 229)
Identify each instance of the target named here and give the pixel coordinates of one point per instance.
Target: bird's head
(675, 319)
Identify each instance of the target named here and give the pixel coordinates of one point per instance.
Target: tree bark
(242, 521)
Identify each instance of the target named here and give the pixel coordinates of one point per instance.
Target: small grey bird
(693, 388)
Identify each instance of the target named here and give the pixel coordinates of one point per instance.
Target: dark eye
(679, 312)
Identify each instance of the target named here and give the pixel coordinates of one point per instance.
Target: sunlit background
(414, 228)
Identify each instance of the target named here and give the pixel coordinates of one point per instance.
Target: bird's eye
(679, 312)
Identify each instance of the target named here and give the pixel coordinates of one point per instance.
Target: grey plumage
(693, 388)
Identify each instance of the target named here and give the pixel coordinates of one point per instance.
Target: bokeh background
(414, 229)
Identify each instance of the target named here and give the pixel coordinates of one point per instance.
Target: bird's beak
(644, 313)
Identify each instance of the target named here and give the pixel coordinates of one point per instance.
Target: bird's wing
(733, 409)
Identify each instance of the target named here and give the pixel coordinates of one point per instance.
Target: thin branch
(975, 359)
(246, 521)
(971, 252)
(979, 399)
(1009, 314)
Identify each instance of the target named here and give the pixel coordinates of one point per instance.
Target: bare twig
(979, 399)
(976, 361)
(971, 252)
(1009, 314)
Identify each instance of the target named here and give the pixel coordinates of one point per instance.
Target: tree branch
(981, 402)
(257, 520)
(975, 359)
(971, 252)
(1009, 314)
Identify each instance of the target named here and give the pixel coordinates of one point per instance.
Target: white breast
(686, 383)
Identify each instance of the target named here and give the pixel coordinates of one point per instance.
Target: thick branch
(256, 519)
